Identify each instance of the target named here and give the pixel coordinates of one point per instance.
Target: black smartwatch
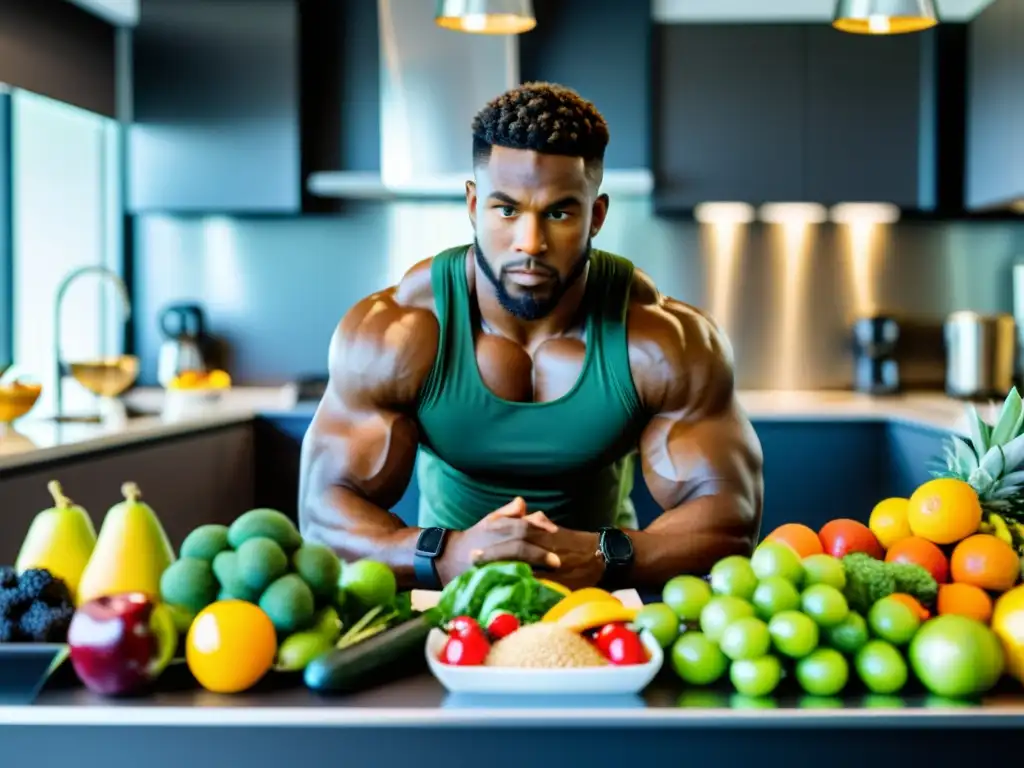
(616, 548)
(429, 546)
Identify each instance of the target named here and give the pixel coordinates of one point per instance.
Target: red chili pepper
(621, 645)
(467, 651)
(502, 624)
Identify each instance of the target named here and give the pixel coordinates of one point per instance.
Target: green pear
(60, 540)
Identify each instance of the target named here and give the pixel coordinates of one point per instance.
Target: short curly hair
(543, 117)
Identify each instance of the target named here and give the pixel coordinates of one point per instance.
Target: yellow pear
(131, 552)
(60, 540)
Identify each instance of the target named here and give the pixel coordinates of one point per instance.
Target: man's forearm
(358, 529)
(691, 538)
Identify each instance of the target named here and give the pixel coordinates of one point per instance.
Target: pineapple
(992, 462)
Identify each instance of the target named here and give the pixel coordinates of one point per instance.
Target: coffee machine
(876, 370)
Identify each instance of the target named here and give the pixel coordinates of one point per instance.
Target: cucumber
(393, 653)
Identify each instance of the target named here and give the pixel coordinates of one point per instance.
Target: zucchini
(393, 653)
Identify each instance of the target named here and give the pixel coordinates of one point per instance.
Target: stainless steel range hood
(432, 82)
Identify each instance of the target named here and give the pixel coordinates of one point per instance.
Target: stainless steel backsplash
(274, 288)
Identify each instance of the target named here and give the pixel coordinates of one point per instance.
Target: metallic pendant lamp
(486, 17)
(884, 17)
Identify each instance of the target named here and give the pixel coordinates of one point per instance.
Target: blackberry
(34, 582)
(8, 577)
(8, 631)
(13, 602)
(34, 624)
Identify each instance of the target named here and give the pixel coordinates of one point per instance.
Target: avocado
(260, 561)
(319, 567)
(289, 603)
(225, 568)
(205, 542)
(189, 582)
(268, 523)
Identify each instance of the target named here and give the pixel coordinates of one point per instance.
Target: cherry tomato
(467, 651)
(621, 645)
(601, 636)
(461, 626)
(502, 624)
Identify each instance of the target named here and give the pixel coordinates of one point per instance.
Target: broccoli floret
(914, 580)
(8, 577)
(42, 623)
(867, 581)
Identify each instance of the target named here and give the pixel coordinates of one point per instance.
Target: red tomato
(621, 645)
(461, 626)
(843, 536)
(502, 624)
(467, 651)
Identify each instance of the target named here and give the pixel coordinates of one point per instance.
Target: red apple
(843, 536)
(121, 643)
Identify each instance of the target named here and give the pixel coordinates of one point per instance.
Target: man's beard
(531, 305)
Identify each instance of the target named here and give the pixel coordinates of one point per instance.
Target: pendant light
(486, 17)
(884, 17)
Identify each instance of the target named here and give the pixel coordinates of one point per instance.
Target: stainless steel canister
(981, 353)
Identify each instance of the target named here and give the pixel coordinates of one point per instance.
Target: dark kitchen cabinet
(995, 115)
(216, 121)
(868, 105)
(787, 112)
(600, 48)
(729, 118)
(201, 477)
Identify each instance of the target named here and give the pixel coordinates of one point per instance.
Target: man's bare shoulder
(680, 358)
(385, 344)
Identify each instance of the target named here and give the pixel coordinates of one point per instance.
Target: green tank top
(572, 458)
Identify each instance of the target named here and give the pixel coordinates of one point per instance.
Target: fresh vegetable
(377, 620)
(463, 625)
(502, 624)
(620, 645)
(503, 586)
(465, 650)
(392, 653)
(868, 580)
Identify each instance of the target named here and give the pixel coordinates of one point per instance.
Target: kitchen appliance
(981, 352)
(876, 370)
(184, 329)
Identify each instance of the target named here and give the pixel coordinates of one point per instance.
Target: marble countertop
(37, 439)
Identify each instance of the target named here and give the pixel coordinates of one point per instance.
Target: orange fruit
(944, 510)
(800, 538)
(913, 603)
(985, 561)
(230, 646)
(965, 600)
(914, 549)
(888, 521)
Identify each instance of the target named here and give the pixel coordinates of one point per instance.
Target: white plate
(610, 679)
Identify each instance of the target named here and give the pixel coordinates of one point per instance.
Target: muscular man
(521, 375)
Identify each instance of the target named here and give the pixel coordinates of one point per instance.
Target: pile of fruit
(820, 620)
(501, 614)
(201, 380)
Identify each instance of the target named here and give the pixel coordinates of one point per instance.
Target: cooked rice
(544, 645)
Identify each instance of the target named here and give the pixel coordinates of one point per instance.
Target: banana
(1000, 528)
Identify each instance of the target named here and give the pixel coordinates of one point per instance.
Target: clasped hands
(572, 558)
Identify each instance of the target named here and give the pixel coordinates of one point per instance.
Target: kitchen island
(416, 722)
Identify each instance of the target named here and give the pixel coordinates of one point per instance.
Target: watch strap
(424, 565)
(616, 568)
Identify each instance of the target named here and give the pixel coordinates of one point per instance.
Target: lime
(773, 558)
(687, 596)
(881, 667)
(774, 595)
(733, 576)
(745, 638)
(756, 677)
(739, 701)
(697, 659)
(893, 620)
(849, 635)
(825, 604)
(820, 702)
(721, 611)
(660, 620)
(824, 569)
(824, 672)
(883, 701)
(793, 634)
(956, 657)
(370, 582)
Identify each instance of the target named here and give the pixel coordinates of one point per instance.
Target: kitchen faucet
(58, 304)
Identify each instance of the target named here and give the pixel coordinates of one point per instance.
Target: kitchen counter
(415, 721)
(39, 440)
